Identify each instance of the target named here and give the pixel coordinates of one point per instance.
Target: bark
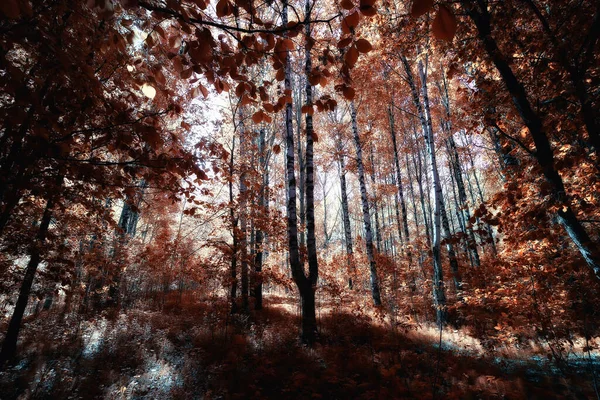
(243, 216)
(311, 242)
(309, 322)
(544, 153)
(262, 203)
(233, 220)
(9, 346)
(439, 296)
(398, 175)
(438, 194)
(345, 210)
(375, 204)
(366, 214)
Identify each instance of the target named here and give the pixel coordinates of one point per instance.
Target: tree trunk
(366, 214)
(439, 296)
(311, 241)
(9, 346)
(309, 322)
(233, 220)
(398, 175)
(345, 210)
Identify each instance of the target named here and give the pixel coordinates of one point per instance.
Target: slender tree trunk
(345, 211)
(365, 207)
(243, 206)
(9, 346)
(262, 202)
(308, 298)
(375, 203)
(398, 174)
(233, 220)
(439, 296)
(305, 287)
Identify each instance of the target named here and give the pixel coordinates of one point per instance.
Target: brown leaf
(351, 56)
(368, 11)
(444, 25)
(257, 117)
(344, 42)
(223, 8)
(348, 93)
(420, 7)
(363, 46)
(350, 22)
(280, 75)
(347, 4)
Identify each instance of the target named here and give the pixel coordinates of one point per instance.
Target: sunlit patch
(148, 91)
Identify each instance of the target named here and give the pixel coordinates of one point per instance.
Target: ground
(197, 350)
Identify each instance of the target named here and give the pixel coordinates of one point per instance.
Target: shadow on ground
(198, 351)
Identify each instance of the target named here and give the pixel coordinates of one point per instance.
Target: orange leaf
(420, 7)
(257, 117)
(276, 149)
(308, 109)
(444, 25)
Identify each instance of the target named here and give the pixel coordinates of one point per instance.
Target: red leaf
(347, 4)
(223, 8)
(420, 7)
(350, 22)
(348, 92)
(351, 56)
(444, 25)
(363, 46)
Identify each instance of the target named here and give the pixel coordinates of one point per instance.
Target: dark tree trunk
(9, 346)
(306, 289)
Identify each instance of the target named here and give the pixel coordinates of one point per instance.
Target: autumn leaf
(344, 42)
(444, 25)
(363, 46)
(348, 93)
(223, 8)
(350, 22)
(10, 8)
(367, 8)
(351, 56)
(257, 117)
(420, 7)
(347, 4)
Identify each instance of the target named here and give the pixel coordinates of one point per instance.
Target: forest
(303, 199)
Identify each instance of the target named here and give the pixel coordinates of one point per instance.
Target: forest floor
(197, 350)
